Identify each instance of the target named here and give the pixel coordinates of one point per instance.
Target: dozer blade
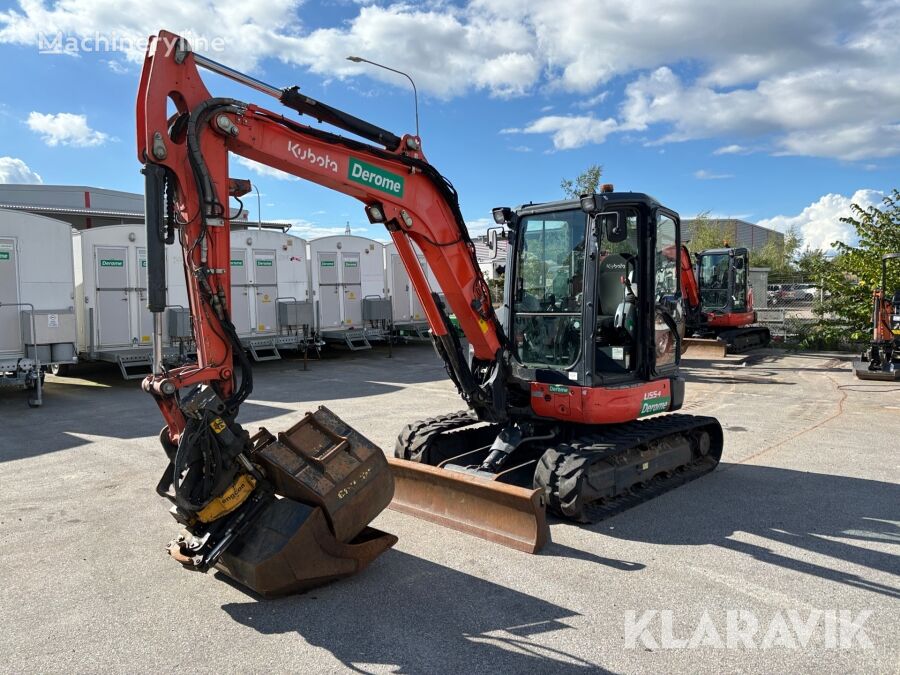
(888, 373)
(332, 482)
(506, 514)
(703, 348)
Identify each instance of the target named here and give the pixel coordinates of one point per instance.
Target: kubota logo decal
(308, 155)
(368, 174)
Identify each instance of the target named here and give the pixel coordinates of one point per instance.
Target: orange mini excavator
(588, 340)
(718, 300)
(881, 361)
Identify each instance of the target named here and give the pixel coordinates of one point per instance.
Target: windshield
(548, 293)
(713, 280)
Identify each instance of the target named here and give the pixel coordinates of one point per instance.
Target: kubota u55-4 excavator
(718, 303)
(588, 341)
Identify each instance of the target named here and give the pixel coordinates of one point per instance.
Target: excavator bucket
(703, 348)
(506, 514)
(332, 482)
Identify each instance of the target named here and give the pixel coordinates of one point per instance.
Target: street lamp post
(258, 209)
(359, 59)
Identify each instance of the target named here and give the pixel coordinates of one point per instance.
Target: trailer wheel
(61, 369)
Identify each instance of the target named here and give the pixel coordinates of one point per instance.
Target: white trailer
(406, 309)
(114, 323)
(271, 303)
(345, 270)
(37, 297)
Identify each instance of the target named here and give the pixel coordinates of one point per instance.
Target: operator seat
(610, 291)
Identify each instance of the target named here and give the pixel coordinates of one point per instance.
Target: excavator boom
(222, 483)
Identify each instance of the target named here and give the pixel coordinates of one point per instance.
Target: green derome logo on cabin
(373, 176)
(112, 262)
(4, 255)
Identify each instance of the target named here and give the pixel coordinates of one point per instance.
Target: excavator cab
(723, 279)
(576, 280)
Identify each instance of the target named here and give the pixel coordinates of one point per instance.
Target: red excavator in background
(881, 361)
(719, 303)
(587, 341)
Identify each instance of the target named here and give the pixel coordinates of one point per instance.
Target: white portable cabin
(114, 323)
(268, 268)
(405, 305)
(36, 268)
(345, 269)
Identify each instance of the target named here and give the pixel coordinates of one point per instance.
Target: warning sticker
(53, 321)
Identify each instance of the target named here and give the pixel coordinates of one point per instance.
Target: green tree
(587, 182)
(855, 271)
(705, 234)
(780, 258)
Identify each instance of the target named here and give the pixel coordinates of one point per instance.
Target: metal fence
(791, 303)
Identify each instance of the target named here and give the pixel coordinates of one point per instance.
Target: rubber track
(413, 441)
(563, 469)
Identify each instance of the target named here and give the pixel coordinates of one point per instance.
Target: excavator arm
(331, 479)
(188, 153)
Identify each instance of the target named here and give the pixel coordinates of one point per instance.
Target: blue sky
(776, 114)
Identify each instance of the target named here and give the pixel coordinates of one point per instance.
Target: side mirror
(614, 228)
(738, 263)
(493, 234)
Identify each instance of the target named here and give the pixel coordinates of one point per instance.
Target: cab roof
(610, 197)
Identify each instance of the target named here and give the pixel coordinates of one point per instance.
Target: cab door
(668, 315)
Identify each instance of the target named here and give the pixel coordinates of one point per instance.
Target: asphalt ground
(796, 532)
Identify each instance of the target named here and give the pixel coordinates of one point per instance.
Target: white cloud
(264, 170)
(307, 229)
(593, 100)
(14, 170)
(733, 149)
(812, 77)
(65, 129)
(569, 131)
(819, 223)
(703, 174)
(477, 226)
